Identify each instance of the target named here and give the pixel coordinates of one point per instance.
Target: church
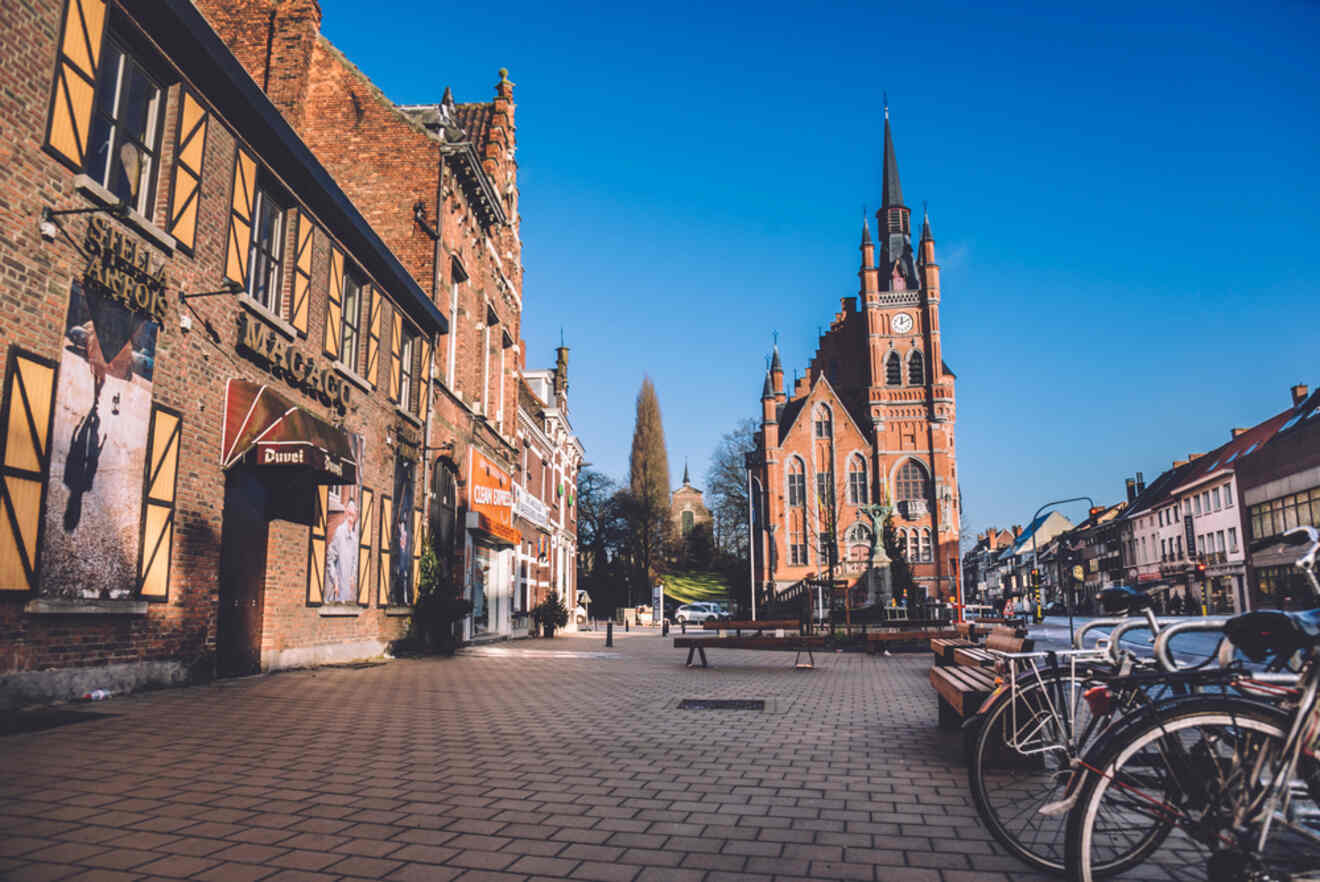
(867, 432)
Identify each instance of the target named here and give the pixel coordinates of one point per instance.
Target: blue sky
(1125, 203)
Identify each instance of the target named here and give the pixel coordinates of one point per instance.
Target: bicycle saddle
(1122, 598)
(1268, 632)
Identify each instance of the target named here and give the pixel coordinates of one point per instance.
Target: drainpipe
(435, 292)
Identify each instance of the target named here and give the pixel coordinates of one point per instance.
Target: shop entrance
(242, 574)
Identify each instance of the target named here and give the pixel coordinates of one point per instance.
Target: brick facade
(357, 190)
(873, 417)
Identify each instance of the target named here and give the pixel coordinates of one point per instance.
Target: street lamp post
(1034, 532)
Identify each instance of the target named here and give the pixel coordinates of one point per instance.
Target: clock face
(902, 323)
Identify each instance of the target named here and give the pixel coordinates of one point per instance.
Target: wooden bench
(877, 640)
(759, 626)
(961, 691)
(943, 647)
(1001, 639)
(697, 646)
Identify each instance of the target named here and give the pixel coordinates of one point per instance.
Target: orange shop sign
(490, 496)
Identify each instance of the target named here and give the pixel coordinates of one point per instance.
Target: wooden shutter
(159, 486)
(383, 553)
(26, 415)
(74, 90)
(316, 548)
(334, 309)
(422, 401)
(396, 343)
(366, 523)
(185, 191)
(240, 215)
(374, 301)
(417, 550)
(302, 274)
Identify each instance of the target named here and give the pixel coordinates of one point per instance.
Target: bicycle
(1220, 779)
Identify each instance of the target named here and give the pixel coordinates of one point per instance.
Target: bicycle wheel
(1020, 759)
(1185, 768)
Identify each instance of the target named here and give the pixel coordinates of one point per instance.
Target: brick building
(546, 503)
(687, 508)
(872, 421)
(438, 182)
(217, 368)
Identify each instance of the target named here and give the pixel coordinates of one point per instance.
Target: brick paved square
(512, 767)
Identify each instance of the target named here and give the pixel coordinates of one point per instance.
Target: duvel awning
(264, 429)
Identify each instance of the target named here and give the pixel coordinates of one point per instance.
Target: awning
(264, 429)
(490, 532)
(1277, 554)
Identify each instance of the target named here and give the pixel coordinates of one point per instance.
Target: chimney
(1299, 393)
(1017, 530)
(1141, 483)
(1235, 431)
(1131, 489)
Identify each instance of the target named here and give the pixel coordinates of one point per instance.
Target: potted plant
(550, 614)
(437, 608)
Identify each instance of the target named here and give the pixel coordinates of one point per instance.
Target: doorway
(242, 574)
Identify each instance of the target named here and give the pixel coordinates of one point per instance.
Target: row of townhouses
(261, 340)
(1205, 535)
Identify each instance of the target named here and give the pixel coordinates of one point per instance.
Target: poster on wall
(98, 450)
(401, 538)
(343, 534)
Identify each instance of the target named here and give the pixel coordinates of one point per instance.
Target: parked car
(1056, 608)
(698, 612)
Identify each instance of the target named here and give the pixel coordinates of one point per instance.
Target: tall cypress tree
(648, 484)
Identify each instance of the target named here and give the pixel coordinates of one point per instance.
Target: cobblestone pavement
(524, 760)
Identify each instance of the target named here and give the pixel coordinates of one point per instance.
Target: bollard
(609, 633)
(683, 625)
(664, 628)
(625, 626)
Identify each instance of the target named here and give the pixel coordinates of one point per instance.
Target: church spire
(925, 224)
(893, 190)
(897, 272)
(686, 480)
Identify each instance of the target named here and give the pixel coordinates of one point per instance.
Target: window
(1164, 552)
(912, 483)
(1178, 542)
(1228, 496)
(407, 346)
(1219, 542)
(687, 519)
(824, 493)
(926, 555)
(893, 369)
(263, 280)
(824, 423)
(797, 484)
(797, 500)
(1214, 497)
(1205, 501)
(916, 369)
(351, 322)
(127, 112)
(456, 279)
(857, 490)
(1196, 501)
(1232, 539)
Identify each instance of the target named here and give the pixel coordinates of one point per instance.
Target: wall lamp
(130, 157)
(419, 215)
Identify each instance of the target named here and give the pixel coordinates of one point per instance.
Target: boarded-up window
(26, 413)
(240, 216)
(159, 488)
(75, 77)
(186, 189)
(316, 548)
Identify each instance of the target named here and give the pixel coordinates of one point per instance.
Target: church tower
(878, 391)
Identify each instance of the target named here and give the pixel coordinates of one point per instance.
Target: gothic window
(893, 369)
(916, 369)
(797, 484)
(857, 534)
(824, 422)
(797, 513)
(901, 536)
(824, 493)
(925, 545)
(912, 483)
(688, 521)
(857, 491)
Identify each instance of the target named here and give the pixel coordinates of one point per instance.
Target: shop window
(123, 143)
(267, 247)
(351, 320)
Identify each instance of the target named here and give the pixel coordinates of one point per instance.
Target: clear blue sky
(1125, 203)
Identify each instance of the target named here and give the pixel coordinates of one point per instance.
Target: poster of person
(401, 533)
(98, 450)
(343, 536)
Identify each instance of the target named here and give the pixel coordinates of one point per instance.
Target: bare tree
(726, 487)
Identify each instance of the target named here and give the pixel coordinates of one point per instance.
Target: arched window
(912, 483)
(916, 369)
(901, 537)
(858, 534)
(824, 422)
(925, 545)
(857, 488)
(687, 522)
(894, 369)
(797, 512)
